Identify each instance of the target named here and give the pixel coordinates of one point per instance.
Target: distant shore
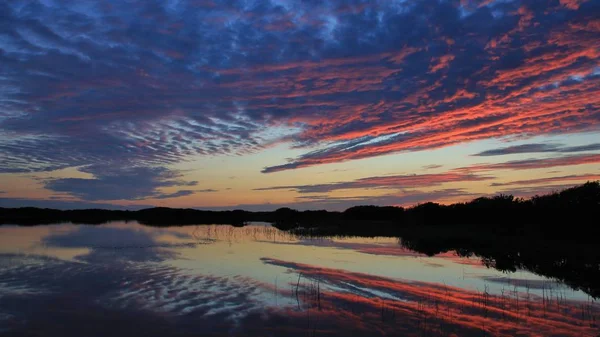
(575, 210)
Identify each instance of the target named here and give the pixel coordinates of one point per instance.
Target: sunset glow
(307, 104)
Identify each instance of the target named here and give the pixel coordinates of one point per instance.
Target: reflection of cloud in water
(122, 293)
(125, 299)
(108, 243)
(12, 282)
(386, 249)
(4, 317)
(109, 237)
(525, 283)
(434, 309)
(167, 290)
(367, 248)
(141, 254)
(138, 290)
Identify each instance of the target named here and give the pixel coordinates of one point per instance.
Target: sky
(307, 104)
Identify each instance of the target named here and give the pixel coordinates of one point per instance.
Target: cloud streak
(384, 182)
(528, 164)
(551, 180)
(538, 148)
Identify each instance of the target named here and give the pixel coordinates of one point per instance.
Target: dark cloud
(551, 180)
(120, 184)
(59, 203)
(539, 148)
(527, 164)
(527, 283)
(529, 191)
(581, 148)
(525, 148)
(304, 202)
(432, 166)
(319, 202)
(181, 193)
(384, 182)
(152, 83)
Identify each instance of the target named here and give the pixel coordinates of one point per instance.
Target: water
(125, 279)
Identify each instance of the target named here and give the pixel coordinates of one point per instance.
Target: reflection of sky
(227, 272)
(239, 252)
(28, 240)
(375, 256)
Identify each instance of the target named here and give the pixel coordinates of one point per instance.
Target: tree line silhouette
(566, 213)
(563, 214)
(574, 263)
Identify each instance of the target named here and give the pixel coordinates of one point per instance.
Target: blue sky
(310, 104)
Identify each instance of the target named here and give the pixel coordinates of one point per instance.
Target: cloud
(384, 182)
(550, 180)
(517, 282)
(528, 164)
(581, 148)
(120, 184)
(539, 148)
(529, 191)
(304, 202)
(148, 83)
(332, 203)
(525, 148)
(64, 204)
(180, 193)
(432, 166)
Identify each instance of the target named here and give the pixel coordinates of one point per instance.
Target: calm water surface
(125, 279)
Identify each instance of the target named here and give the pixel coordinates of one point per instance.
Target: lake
(126, 279)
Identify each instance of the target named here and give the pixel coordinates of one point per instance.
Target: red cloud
(443, 62)
(539, 96)
(572, 4)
